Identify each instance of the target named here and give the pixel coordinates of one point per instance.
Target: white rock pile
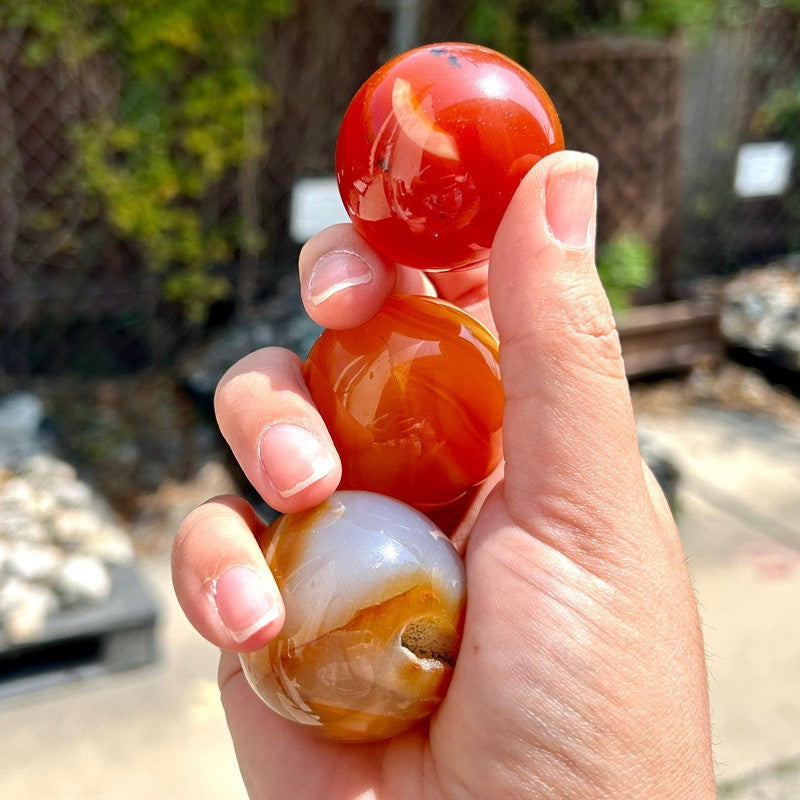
(761, 311)
(58, 538)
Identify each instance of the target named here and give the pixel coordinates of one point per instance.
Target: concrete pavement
(159, 732)
(739, 517)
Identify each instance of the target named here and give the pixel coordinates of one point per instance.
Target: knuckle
(584, 314)
(213, 511)
(255, 371)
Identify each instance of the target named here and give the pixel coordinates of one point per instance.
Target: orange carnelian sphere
(412, 399)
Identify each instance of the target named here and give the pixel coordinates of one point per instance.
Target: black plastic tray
(85, 641)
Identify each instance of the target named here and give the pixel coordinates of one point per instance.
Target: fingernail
(243, 604)
(293, 458)
(335, 272)
(571, 188)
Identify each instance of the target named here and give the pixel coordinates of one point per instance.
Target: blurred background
(161, 164)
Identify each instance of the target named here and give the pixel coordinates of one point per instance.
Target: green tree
(191, 112)
(504, 24)
(625, 263)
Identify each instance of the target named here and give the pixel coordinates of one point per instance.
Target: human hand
(581, 672)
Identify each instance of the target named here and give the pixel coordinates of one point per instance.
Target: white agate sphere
(374, 595)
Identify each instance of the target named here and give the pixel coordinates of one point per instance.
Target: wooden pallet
(669, 337)
(85, 641)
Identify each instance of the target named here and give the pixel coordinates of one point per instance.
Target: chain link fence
(726, 85)
(71, 294)
(74, 293)
(619, 99)
(665, 118)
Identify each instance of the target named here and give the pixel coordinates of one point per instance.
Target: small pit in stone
(428, 640)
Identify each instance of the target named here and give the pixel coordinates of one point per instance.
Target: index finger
(345, 282)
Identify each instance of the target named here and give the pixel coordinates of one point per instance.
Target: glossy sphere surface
(433, 146)
(374, 597)
(412, 399)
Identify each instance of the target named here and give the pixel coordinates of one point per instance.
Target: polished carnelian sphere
(432, 148)
(374, 596)
(412, 399)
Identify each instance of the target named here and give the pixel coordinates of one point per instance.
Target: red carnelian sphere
(412, 399)
(432, 148)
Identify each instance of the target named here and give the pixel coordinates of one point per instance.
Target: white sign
(763, 169)
(315, 204)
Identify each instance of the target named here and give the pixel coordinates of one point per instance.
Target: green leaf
(625, 263)
(190, 76)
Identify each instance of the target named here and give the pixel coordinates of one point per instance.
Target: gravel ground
(728, 385)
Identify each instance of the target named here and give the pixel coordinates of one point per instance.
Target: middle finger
(266, 415)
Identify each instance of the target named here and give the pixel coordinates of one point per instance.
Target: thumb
(572, 460)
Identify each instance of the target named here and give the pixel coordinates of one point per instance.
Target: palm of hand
(547, 663)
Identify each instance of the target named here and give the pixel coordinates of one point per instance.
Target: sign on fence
(763, 169)
(315, 204)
